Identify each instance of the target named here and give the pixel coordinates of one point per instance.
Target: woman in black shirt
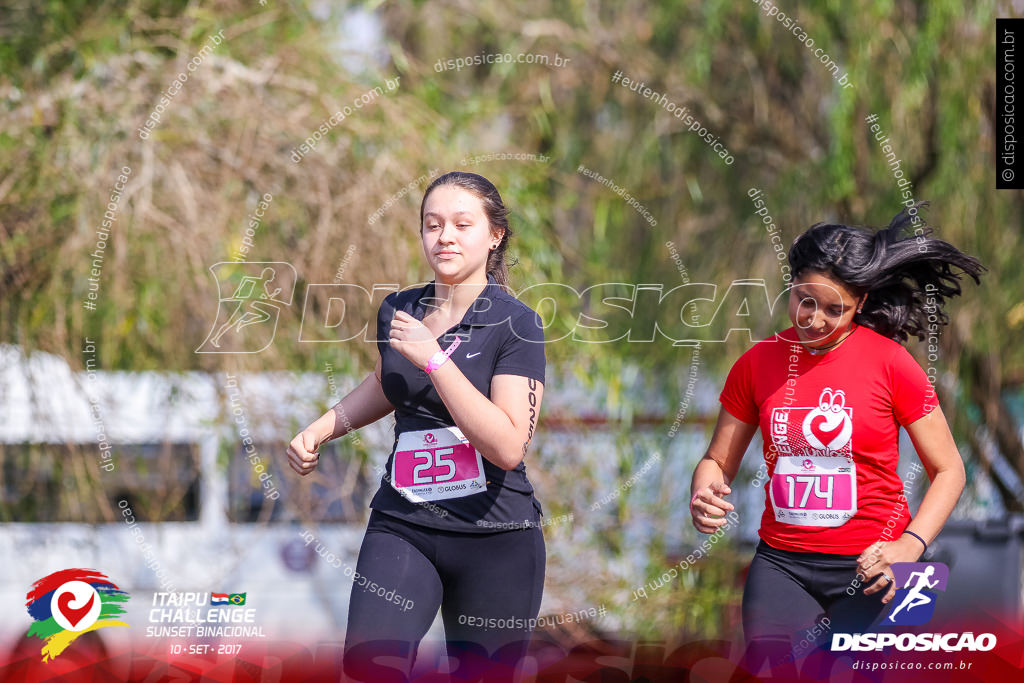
(455, 524)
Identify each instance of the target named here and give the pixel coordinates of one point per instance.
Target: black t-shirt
(499, 335)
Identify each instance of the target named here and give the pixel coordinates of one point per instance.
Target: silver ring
(887, 578)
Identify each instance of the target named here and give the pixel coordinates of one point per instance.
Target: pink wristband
(439, 358)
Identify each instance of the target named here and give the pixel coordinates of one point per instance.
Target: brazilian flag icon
(237, 598)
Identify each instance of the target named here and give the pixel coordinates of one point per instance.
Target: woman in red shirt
(830, 394)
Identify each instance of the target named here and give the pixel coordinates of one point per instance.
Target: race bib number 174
(815, 478)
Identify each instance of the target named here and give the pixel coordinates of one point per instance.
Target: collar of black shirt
(489, 308)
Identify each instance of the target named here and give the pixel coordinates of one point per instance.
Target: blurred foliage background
(78, 79)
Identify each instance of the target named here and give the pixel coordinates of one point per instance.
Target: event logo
(71, 602)
(914, 603)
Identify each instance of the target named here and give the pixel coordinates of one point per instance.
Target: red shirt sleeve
(913, 396)
(737, 395)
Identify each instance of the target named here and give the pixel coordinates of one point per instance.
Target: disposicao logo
(916, 583)
(71, 602)
(913, 605)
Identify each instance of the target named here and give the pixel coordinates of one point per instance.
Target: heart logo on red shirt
(828, 426)
(825, 429)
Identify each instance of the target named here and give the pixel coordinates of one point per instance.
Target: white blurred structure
(221, 545)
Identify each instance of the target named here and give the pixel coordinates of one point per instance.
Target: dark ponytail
(898, 267)
(497, 216)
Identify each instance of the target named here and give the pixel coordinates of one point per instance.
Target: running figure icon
(914, 597)
(257, 313)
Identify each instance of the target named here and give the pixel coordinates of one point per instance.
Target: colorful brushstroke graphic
(71, 602)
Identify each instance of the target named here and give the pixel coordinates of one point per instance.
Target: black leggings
(488, 587)
(788, 597)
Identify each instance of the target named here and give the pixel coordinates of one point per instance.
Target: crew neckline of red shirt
(818, 359)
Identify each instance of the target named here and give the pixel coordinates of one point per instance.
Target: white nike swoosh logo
(470, 355)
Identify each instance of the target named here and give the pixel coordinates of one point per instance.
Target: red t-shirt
(830, 425)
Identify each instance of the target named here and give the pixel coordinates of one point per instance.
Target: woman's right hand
(708, 507)
(302, 452)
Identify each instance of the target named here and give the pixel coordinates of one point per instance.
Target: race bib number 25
(436, 464)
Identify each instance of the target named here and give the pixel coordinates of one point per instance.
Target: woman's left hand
(412, 339)
(877, 559)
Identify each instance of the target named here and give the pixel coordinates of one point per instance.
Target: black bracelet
(908, 531)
